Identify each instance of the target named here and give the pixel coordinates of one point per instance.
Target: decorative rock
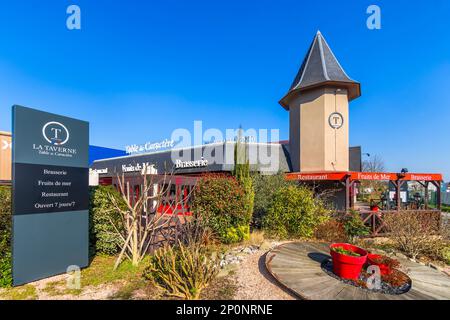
(266, 246)
(401, 256)
(434, 266)
(225, 271)
(248, 250)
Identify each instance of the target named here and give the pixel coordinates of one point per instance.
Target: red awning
(360, 176)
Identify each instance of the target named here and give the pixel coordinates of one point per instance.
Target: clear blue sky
(139, 69)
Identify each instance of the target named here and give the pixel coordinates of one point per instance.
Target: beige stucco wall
(336, 140)
(5, 156)
(314, 144)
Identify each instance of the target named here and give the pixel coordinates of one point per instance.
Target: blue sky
(140, 69)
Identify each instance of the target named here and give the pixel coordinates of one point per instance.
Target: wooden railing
(375, 220)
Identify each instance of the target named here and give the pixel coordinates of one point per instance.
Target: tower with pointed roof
(318, 105)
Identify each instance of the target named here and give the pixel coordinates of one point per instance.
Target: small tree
(242, 173)
(378, 188)
(374, 164)
(354, 225)
(140, 219)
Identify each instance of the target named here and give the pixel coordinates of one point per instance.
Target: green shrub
(104, 238)
(182, 271)
(5, 270)
(221, 203)
(247, 185)
(437, 248)
(354, 225)
(265, 186)
(445, 254)
(236, 234)
(5, 237)
(294, 213)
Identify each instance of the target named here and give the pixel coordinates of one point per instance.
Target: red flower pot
(345, 266)
(384, 269)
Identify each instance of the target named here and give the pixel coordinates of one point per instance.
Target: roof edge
(353, 87)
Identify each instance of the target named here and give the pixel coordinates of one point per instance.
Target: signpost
(50, 194)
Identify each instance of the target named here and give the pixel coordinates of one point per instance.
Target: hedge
(5, 237)
(103, 237)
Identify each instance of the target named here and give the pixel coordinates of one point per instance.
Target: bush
(445, 254)
(294, 213)
(265, 186)
(411, 232)
(104, 238)
(221, 203)
(331, 231)
(5, 237)
(437, 248)
(182, 271)
(6, 270)
(354, 225)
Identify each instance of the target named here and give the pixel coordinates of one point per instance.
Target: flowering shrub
(395, 278)
(388, 262)
(221, 202)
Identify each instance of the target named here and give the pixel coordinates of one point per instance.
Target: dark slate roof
(319, 68)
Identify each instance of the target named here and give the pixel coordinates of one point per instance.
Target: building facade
(5, 157)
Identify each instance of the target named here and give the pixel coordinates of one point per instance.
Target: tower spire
(321, 68)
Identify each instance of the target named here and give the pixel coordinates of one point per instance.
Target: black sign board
(50, 194)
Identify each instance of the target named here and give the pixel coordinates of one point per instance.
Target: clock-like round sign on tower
(336, 120)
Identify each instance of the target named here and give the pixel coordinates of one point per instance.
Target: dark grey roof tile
(320, 67)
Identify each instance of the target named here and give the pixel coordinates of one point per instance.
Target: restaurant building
(317, 153)
(5, 157)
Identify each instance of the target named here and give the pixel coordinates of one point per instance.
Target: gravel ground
(255, 283)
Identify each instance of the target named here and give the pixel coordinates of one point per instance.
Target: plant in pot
(385, 264)
(348, 260)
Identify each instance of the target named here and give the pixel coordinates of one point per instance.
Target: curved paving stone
(297, 266)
